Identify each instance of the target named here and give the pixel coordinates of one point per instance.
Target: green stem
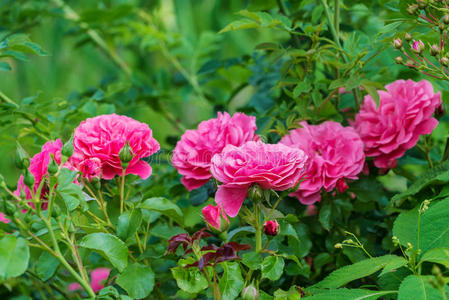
(7, 99)
(446, 150)
(258, 227)
(122, 191)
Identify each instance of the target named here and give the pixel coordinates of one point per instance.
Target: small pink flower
(335, 153)
(418, 46)
(214, 217)
(98, 279)
(404, 113)
(3, 218)
(271, 227)
(193, 153)
(102, 138)
(276, 167)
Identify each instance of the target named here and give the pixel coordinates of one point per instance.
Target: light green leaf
(165, 207)
(272, 267)
(128, 223)
(137, 280)
(355, 271)
(4, 66)
(70, 192)
(111, 247)
(418, 287)
(438, 255)
(252, 260)
(348, 294)
(231, 282)
(189, 280)
(14, 256)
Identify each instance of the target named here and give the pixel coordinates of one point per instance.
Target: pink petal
(140, 168)
(231, 199)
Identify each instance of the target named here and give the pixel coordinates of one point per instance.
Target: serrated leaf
(348, 294)
(252, 260)
(111, 247)
(355, 271)
(231, 282)
(418, 287)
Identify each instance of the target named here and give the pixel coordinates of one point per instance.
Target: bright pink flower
(271, 227)
(102, 138)
(214, 217)
(21, 187)
(193, 153)
(3, 218)
(405, 112)
(276, 167)
(98, 279)
(418, 46)
(90, 167)
(335, 153)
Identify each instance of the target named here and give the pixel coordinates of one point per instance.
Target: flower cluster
(193, 153)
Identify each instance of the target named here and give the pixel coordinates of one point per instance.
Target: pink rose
(193, 153)
(335, 153)
(271, 227)
(404, 113)
(102, 137)
(3, 218)
(214, 217)
(98, 279)
(276, 167)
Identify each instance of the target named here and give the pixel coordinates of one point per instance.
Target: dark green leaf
(128, 223)
(46, 266)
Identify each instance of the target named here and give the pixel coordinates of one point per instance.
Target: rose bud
(341, 185)
(444, 61)
(271, 227)
(22, 158)
(422, 3)
(408, 37)
(418, 46)
(126, 155)
(214, 218)
(250, 293)
(52, 167)
(67, 149)
(445, 19)
(412, 9)
(397, 44)
(434, 50)
(399, 60)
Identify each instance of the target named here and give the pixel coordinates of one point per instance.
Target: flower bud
(444, 61)
(445, 19)
(397, 44)
(67, 149)
(56, 211)
(215, 218)
(126, 155)
(418, 47)
(271, 227)
(10, 208)
(441, 26)
(399, 60)
(412, 9)
(22, 158)
(250, 293)
(255, 193)
(422, 3)
(434, 50)
(408, 37)
(52, 166)
(28, 178)
(341, 185)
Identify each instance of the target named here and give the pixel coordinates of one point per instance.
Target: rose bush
(285, 155)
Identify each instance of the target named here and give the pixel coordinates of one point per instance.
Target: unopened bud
(67, 149)
(271, 227)
(255, 193)
(422, 3)
(444, 61)
(28, 178)
(399, 60)
(126, 155)
(22, 158)
(338, 246)
(434, 50)
(418, 47)
(10, 208)
(441, 26)
(397, 43)
(52, 166)
(215, 218)
(250, 293)
(408, 37)
(445, 19)
(412, 9)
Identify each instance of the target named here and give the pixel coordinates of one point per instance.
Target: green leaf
(325, 216)
(46, 266)
(165, 207)
(4, 66)
(358, 270)
(433, 231)
(128, 223)
(231, 282)
(418, 287)
(348, 294)
(301, 88)
(14, 256)
(438, 255)
(372, 91)
(137, 280)
(439, 174)
(252, 260)
(111, 247)
(272, 267)
(291, 294)
(189, 279)
(70, 192)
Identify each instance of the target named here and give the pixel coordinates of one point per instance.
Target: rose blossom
(98, 278)
(101, 138)
(193, 153)
(271, 227)
(214, 217)
(276, 167)
(335, 153)
(404, 113)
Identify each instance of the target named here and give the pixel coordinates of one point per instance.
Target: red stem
(426, 19)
